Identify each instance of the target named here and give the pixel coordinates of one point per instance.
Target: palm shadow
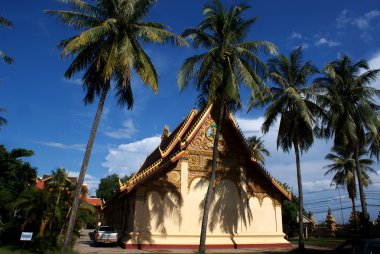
(229, 209)
(162, 200)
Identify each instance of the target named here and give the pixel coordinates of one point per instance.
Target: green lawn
(11, 249)
(321, 242)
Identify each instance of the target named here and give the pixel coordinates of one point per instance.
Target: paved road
(85, 245)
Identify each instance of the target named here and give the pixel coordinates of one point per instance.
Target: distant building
(42, 182)
(161, 206)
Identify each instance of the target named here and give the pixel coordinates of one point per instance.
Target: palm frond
(155, 33)
(144, 67)
(7, 59)
(77, 20)
(88, 37)
(5, 22)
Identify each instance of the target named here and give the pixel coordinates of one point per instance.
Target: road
(85, 245)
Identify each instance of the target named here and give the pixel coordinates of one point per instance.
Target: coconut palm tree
(107, 49)
(3, 121)
(297, 112)
(6, 23)
(258, 150)
(227, 62)
(343, 168)
(348, 97)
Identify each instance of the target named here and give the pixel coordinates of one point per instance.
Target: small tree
(330, 223)
(109, 185)
(256, 144)
(354, 220)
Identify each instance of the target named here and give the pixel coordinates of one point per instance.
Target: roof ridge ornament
(165, 133)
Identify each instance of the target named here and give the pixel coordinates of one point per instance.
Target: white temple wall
(159, 219)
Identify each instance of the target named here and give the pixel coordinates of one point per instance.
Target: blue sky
(45, 112)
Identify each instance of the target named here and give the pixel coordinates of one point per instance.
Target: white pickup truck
(105, 234)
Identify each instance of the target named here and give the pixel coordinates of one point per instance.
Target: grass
(12, 249)
(321, 242)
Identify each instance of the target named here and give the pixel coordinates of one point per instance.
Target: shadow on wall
(229, 205)
(162, 200)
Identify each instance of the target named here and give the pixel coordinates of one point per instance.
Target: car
(105, 234)
(360, 246)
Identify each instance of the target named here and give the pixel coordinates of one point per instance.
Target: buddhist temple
(161, 206)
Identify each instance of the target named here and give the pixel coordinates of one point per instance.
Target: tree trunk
(210, 189)
(355, 217)
(43, 224)
(70, 227)
(301, 244)
(365, 218)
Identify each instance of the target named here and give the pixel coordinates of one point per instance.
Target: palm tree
(3, 121)
(258, 150)
(35, 205)
(343, 168)
(347, 96)
(290, 102)
(6, 23)
(227, 63)
(107, 49)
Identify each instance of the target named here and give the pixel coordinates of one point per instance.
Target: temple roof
(95, 201)
(173, 148)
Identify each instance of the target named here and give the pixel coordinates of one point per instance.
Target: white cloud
(295, 35)
(282, 165)
(304, 45)
(318, 194)
(250, 126)
(126, 132)
(79, 147)
(75, 81)
(127, 158)
(91, 181)
(374, 63)
(343, 19)
(324, 41)
(363, 22)
(105, 113)
(316, 185)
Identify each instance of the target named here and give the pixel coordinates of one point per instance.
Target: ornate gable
(193, 139)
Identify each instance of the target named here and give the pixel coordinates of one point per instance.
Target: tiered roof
(173, 147)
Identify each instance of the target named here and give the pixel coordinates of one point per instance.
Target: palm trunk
(64, 224)
(301, 244)
(43, 224)
(70, 227)
(210, 189)
(52, 222)
(355, 217)
(365, 219)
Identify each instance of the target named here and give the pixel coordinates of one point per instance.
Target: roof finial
(165, 133)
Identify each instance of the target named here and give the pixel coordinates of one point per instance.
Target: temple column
(184, 184)
(278, 214)
(184, 176)
(140, 219)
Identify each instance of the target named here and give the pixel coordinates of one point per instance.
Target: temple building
(161, 206)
